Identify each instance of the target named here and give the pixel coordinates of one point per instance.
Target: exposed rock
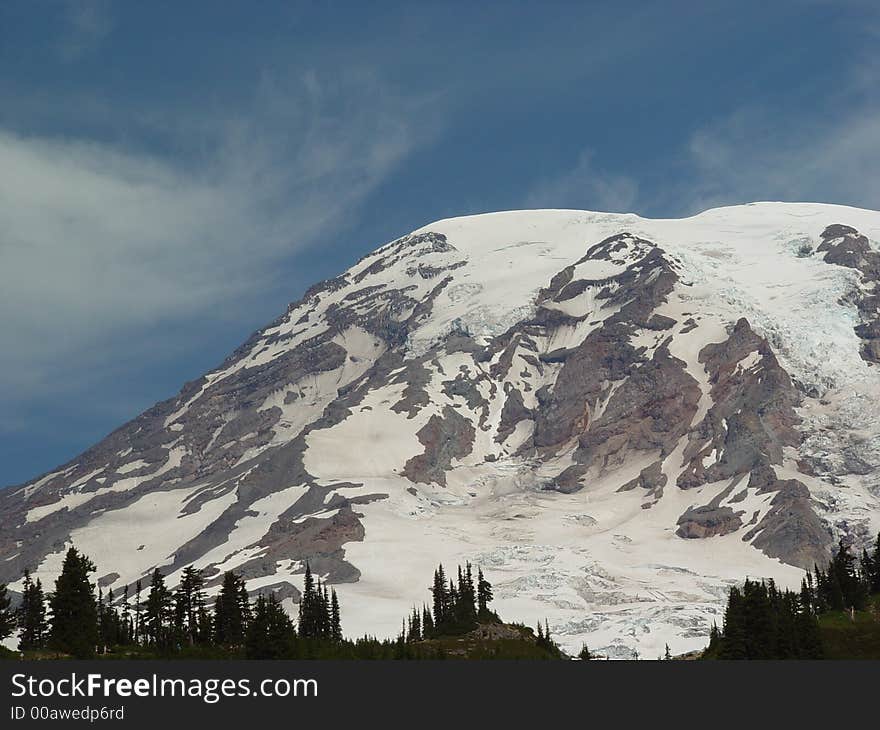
(752, 417)
(701, 522)
(650, 411)
(513, 412)
(790, 531)
(444, 438)
(845, 246)
(651, 478)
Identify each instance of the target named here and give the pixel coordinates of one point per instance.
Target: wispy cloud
(100, 245)
(584, 186)
(748, 156)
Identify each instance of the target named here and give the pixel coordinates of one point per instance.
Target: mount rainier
(616, 417)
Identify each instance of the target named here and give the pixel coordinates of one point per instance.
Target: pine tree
(190, 603)
(734, 644)
(158, 615)
(270, 634)
(138, 606)
(484, 597)
(74, 626)
(32, 615)
(108, 621)
(442, 602)
(335, 622)
(126, 633)
(762, 622)
(7, 615)
(584, 653)
(427, 623)
(874, 573)
(231, 611)
(308, 625)
(714, 640)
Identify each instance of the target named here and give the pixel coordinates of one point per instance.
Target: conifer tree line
(847, 582)
(152, 620)
(458, 606)
(75, 619)
(762, 622)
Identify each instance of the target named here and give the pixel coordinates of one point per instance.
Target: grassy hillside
(846, 637)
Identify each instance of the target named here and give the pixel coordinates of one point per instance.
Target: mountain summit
(615, 417)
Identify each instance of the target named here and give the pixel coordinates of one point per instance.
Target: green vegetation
(81, 623)
(836, 615)
(852, 635)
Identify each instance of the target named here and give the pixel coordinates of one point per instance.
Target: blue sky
(172, 174)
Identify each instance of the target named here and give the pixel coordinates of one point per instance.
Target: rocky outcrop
(752, 417)
(702, 522)
(845, 246)
(790, 531)
(651, 479)
(606, 355)
(446, 437)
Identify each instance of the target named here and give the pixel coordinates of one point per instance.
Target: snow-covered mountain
(615, 417)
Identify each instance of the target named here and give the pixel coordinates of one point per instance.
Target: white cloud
(100, 245)
(750, 156)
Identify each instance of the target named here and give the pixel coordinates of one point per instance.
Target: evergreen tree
(231, 611)
(270, 634)
(484, 597)
(762, 622)
(335, 622)
(584, 653)
(138, 606)
(852, 586)
(32, 615)
(733, 645)
(158, 615)
(314, 609)
(126, 631)
(189, 607)
(108, 621)
(307, 626)
(7, 615)
(74, 626)
(441, 601)
(873, 568)
(427, 623)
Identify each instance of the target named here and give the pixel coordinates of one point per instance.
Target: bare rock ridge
(616, 417)
(845, 246)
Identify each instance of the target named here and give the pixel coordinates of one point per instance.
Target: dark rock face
(444, 439)
(845, 246)
(704, 522)
(791, 531)
(512, 413)
(650, 411)
(752, 417)
(651, 478)
(751, 421)
(605, 355)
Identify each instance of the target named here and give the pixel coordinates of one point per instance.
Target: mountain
(616, 417)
